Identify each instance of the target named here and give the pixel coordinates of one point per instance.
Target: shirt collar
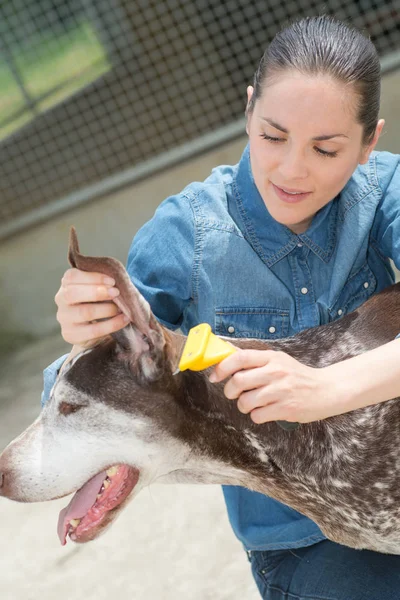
(270, 239)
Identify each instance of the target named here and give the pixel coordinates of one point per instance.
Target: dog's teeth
(106, 484)
(112, 471)
(75, 522)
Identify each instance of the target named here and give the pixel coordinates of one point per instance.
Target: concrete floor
(174, 542)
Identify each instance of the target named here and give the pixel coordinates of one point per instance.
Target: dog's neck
(210, 421)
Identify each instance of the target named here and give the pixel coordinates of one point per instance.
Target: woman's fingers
(242, 359)
(81, 286)
(86, 310)
(82, 333)
(244, 381)
(84, 313)
(254, 399)
(75, 276)
(80, 293)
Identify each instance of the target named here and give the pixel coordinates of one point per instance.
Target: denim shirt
(214, 254)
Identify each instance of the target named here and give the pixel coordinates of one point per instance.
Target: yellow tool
(203, 349)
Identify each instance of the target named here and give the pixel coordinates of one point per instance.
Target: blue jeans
(326, 571)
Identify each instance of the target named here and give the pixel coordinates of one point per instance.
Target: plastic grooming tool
(204, 349)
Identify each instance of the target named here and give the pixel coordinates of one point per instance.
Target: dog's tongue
(79, 505)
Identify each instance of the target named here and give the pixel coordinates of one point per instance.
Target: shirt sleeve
(386, 228)
(160, 264)
(161, 260)
(49, 377)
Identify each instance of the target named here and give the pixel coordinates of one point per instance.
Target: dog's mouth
(91, 508)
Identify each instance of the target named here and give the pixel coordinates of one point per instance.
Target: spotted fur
(119, 402)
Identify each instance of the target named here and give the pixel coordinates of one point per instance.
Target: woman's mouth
(289, 197)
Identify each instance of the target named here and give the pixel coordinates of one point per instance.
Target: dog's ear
(143, 342)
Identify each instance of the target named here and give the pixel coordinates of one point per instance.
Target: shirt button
(340, 312)
(304, 290)
(272, 329)
(366, 284)
(299, 245)
(231, 329)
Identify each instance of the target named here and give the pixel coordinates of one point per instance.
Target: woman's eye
(271, 139)
(320, 152)
(325, 153)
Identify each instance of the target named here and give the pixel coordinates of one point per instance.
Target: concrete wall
(32, 263)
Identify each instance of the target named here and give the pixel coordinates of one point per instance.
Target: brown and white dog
(118, 420)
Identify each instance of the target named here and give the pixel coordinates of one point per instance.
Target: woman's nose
(293, 167)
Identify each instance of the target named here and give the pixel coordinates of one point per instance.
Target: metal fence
(95, 93)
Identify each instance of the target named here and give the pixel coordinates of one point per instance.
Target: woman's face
(304, 137)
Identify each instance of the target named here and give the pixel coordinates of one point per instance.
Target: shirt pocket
(357, 289)
(258, 322)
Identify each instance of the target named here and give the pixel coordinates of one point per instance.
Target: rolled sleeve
(386, 228)
(49, 377)
(160, 260)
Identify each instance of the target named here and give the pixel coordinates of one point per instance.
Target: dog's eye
(67, 409)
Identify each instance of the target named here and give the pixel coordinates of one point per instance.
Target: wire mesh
(92, 87)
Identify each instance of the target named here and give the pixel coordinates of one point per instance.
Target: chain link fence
(96, 93)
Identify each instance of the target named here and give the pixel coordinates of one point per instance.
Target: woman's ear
(250, 91)
(365, 153)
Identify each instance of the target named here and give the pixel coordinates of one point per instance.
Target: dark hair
(323, 45)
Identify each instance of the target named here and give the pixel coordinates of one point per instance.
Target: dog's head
(112, 424)
(118, 419)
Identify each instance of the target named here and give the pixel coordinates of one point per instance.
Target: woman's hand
(273, 386)
(83, 299)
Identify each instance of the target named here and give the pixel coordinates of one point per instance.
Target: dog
(118, 419)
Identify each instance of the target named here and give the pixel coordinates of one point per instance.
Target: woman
(297, 234)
